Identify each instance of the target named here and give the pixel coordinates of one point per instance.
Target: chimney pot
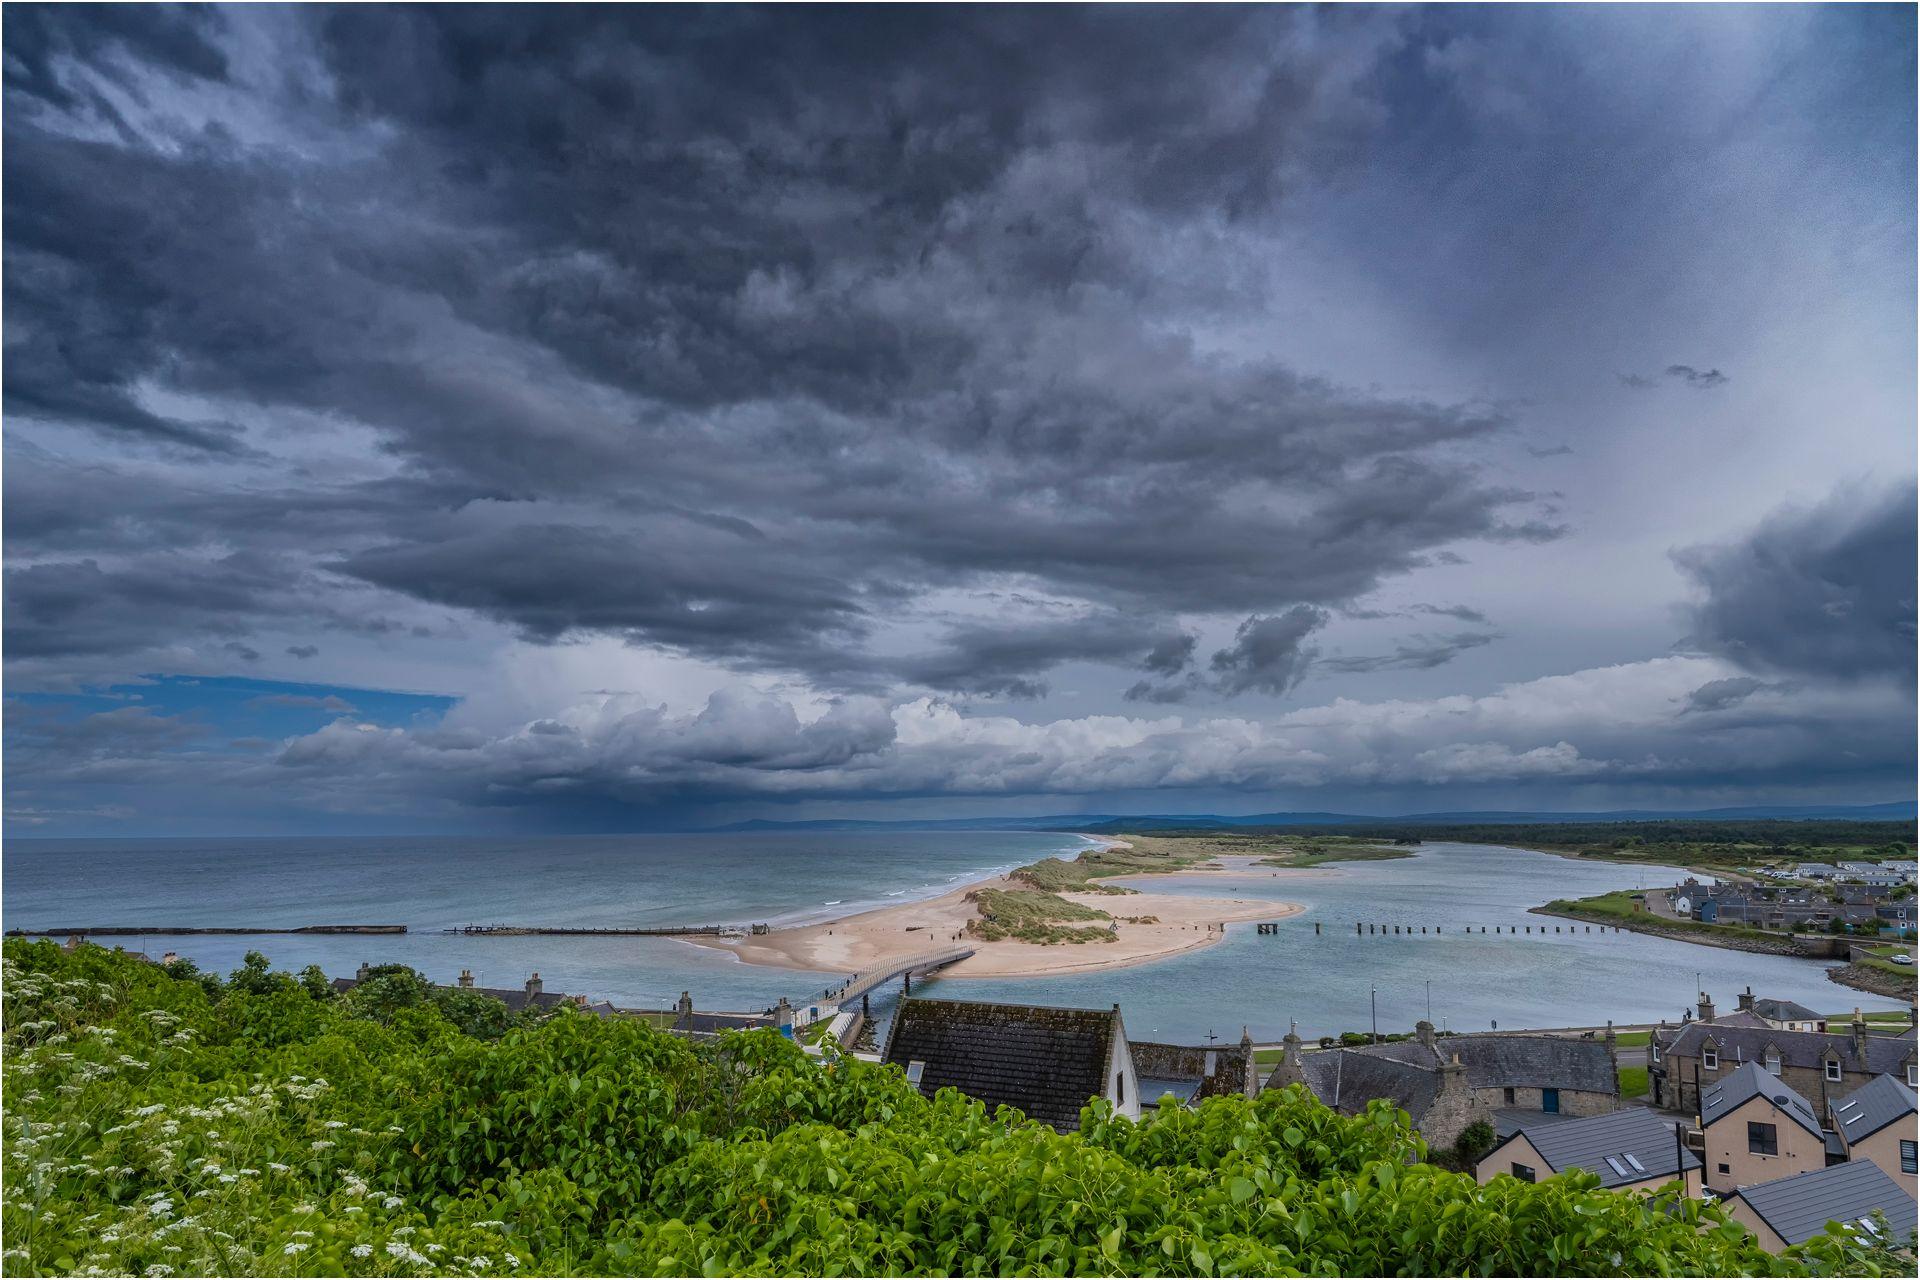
(466, 977)
(533, 984)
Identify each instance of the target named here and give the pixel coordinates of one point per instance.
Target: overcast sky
(464, 418)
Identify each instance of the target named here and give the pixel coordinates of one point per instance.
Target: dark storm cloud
(1683, 374)
(1006, 658)
(1269, 654)
(1718, 695)
(303, 651)
(1418, 654)
(732, 332)
(1823, 591)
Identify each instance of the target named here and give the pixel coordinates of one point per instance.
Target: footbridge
(903, 967)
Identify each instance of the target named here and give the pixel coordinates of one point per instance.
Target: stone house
(1046, 1062)
(1876, 1122)
(1756, 1129)
(530, 995)
(1823, 1067)
(1781, 1015)
(1447, 1083)
(1793, 1210)
(1630, 1150)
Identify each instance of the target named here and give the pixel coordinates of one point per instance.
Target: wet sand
(1182, 923)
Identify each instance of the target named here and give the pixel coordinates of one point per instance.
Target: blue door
(1550, 1101)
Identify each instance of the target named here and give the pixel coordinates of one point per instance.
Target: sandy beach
(852, 943)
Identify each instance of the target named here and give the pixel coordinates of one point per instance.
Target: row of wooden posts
(1361, 927)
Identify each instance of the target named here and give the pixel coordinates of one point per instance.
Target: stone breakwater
(147, 931)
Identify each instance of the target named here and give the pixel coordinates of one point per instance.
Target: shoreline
(1181, 923)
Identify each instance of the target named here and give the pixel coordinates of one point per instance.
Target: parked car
(1902, 958)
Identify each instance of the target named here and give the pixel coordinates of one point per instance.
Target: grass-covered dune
(263, 1126)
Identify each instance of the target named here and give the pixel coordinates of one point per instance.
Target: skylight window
(1617, 1166)
(915, 1070)
(1633, 1160)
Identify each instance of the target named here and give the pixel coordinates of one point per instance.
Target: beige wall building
(1793, 1210)
(1630, 1150)
(1755, 1129)
(1876, 1122)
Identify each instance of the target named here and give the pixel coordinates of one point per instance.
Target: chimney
(1288, 1072)
(1746, 1000)
(360, 974)
(1610, 1036)
(533, 985)
(466, 978)
(1706, 1007)
(1859, 1036)
(170, 958)
(1423, 1031)
(1246, 1037)
(685, 1006)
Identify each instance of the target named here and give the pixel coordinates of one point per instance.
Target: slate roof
(1602, 1144)
(515, 998)
(1047, 1062)
(712, 1024)
(1800, 1207)
(1784, 1011)
(1407, 1072)
(1751, 1081)
(1876, 1104)
(1186, 1066)
(1741, 1018)
(1797, 1048)
(1348, 1079)
(1154, 1088)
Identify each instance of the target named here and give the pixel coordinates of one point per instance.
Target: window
(915, 1070)
(1913, 1075)
(1833, 1070)
(1763, 1139)
(1909, 1156)
(1726, 1168)
(1524, 1172)
(1709, 1059)
(1773, 1063)
(1120, 1090)
(1509, 1097)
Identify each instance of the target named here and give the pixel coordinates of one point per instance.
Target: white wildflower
(392, 1202)
(361, 1250)
(295, 1247)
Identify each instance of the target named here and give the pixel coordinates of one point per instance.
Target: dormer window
(1913, 1075)
(1709, 1059)
(1833, 1070)
(1773, 1061)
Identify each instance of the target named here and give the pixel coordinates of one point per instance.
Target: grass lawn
(1879, 958)
(1633, 1082)
(1631, 1039)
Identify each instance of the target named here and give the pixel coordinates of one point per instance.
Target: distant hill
(1897, 811)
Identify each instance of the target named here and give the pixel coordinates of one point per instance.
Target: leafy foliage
(164, 1125)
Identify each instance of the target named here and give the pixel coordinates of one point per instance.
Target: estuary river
(1327, 982)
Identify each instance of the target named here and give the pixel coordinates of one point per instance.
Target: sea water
(1328, 981)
